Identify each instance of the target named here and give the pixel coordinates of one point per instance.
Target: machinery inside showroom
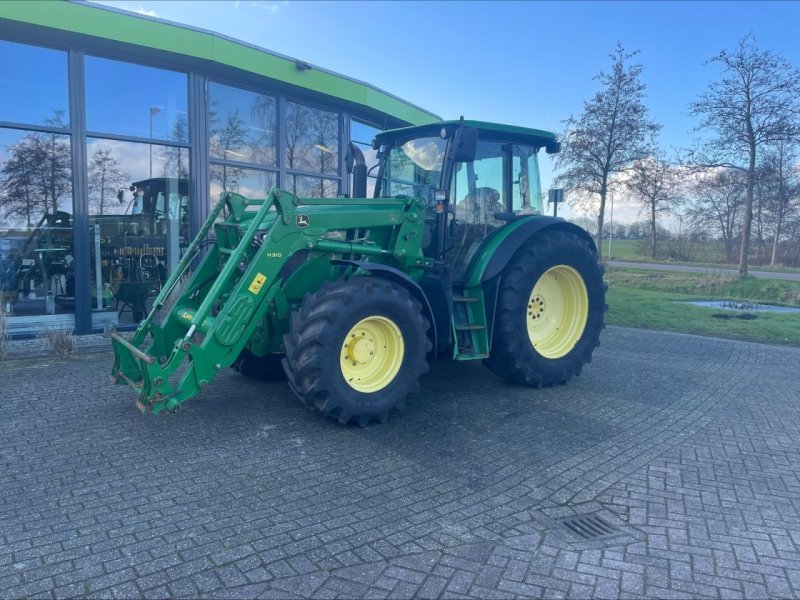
(131, 255)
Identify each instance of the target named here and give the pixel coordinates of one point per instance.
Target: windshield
(413, 169)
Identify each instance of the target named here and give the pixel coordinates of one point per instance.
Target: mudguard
(397, 276)
(497, 250)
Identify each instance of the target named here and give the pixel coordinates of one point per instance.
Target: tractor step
(470, 356)
(469, 325)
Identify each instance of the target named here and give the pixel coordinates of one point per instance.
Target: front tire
(356, 349)
(550, 311)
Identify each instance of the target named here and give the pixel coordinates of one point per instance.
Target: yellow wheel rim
(371, 355)
(557, 311)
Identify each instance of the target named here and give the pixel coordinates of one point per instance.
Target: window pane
(37, 266)
(138, 224)
(312, 139)
(250, 183)
(242, 125)
(313, 187)
(33, 85)
(362, 135)
(137, 101)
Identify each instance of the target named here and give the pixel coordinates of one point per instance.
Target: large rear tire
(550, 311)
(356, 349)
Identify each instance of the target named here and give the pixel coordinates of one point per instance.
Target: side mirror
(467, 146)
(121, 195)
(553, 147)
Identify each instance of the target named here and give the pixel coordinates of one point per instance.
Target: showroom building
(117, 134)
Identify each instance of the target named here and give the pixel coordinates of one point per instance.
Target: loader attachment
(200, 322)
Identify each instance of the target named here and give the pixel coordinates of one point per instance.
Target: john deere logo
(302, 221)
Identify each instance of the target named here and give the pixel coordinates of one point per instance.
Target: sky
(523, 63)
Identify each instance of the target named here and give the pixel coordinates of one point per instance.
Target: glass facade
(37, 96)
(138, 224)
(136, 101)
(37, 258)
(96, 207)
(242, 141)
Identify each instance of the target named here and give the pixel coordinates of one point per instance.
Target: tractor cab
(474, 177)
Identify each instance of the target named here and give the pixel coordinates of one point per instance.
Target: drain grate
(589, 527)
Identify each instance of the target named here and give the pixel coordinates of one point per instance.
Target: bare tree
(653, 182)
(225, 140)
(36, 176)
(754, 104)
(717, 204)
(18, 194)
(105, 178)
(780, 176)
(611, 133)
(263, 145)
(175, 163)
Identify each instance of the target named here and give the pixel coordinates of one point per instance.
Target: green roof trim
(120, 26)
(536, 137)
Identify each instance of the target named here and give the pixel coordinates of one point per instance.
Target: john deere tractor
(351, 299)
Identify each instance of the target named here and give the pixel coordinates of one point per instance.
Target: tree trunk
(600, 217)
(777, 239)
(102, 189)
(653, 228)
(747, 221)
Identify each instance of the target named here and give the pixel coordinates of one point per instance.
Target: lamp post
(154, 110)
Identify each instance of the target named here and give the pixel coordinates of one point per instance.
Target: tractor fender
(400, 278)
(497, 250)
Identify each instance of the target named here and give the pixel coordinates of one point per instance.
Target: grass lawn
(707, 254)
(654, 300)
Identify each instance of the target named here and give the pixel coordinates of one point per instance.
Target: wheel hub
(536, 307)
(360, 347)
(372, 353)
(558, 308)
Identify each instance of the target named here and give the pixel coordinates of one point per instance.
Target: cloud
(270, 7)
(143, 11)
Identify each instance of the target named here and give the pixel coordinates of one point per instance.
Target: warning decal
(258, 281)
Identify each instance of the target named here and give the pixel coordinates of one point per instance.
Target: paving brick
(690, 441)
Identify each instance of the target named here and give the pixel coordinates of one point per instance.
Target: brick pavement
(688, 445)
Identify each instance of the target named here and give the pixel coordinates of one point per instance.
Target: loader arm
(200, 323)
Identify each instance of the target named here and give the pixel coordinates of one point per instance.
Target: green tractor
(351, 299)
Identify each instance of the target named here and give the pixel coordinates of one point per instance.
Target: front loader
(351, 299)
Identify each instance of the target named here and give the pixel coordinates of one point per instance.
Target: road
(691, 269)
(685, 446)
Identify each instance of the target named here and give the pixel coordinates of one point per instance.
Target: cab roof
(511, 133)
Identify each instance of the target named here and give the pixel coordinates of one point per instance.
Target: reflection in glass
(313, 187)
(250, 183)
(33, 85)
(138, 224)
(312, 139)
(362, 135)
(414, 169)
(37, 266)
(242, 125)
(135, 100)
(526, 195)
